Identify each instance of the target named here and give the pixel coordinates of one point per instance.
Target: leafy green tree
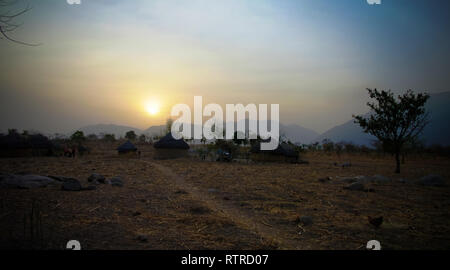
(395, 121)
(131, 135)
(328, 145)
(92, 137)
(78, 136)
(109, 138)
(142, 138)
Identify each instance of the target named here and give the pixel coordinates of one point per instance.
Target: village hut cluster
(166, 148)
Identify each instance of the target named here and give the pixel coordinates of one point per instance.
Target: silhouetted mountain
(347, 132)
(436, 132)
(156, 130)
(298, 134)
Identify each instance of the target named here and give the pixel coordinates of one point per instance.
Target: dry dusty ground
(192, 204)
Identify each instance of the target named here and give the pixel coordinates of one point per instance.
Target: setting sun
(152, 107)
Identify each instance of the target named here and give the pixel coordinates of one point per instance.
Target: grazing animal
(376, 222)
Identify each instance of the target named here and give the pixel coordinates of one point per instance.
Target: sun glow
(152, 107)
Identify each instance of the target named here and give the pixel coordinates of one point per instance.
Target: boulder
(380, 179)
(61, 179)
(403, 180)
(305, 220)
(89, 188)
(72, 185)
(142, 238)
(432, 181)
(116, 182)
(357, 186)
(359, 179)
(25, 181)
(326, 179)
(346, 165)
(96, 178)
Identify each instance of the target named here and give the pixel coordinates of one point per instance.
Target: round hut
(283, 153)
(127, 148)
(169, 148)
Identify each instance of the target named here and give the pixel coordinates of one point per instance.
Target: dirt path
(235, 214)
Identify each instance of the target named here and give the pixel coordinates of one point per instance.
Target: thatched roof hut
(169, 142)
(284, 152)
(126, 147)
(168, 148)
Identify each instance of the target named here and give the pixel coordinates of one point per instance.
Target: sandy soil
(193, 204)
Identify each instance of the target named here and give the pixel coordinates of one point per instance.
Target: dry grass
(189, 204)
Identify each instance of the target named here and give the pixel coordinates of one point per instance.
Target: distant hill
(294, 133)
(298, 134)
(118, 131)
(347, 132)
(155, 130)
(436, 132)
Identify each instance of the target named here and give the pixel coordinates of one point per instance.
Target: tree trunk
(397, 159)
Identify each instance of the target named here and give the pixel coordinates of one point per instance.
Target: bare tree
(8, 22)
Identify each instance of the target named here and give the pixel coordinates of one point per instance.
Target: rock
(376, 222)
(367, 179)
(116, 182)
(89, 188)
(356, 186)
(360, 179)
(305, 220)
(346, 165)
(403, 180)
(61, 178)
(72, 185)
(326, 179)
(25, 181)
(96, 178)
(432, 181)
(380, 179)
(142, 238)
(199, 210)
(212, 190)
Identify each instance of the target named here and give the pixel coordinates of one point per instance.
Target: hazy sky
(104, 60)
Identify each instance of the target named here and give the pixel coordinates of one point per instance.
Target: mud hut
(283, 153)
(169, 148)
(127, 148)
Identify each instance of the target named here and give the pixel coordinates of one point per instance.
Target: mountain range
(436, 132)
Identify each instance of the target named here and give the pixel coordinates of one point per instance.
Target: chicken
(376, 222)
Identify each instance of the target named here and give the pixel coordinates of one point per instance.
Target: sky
(105, 61)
